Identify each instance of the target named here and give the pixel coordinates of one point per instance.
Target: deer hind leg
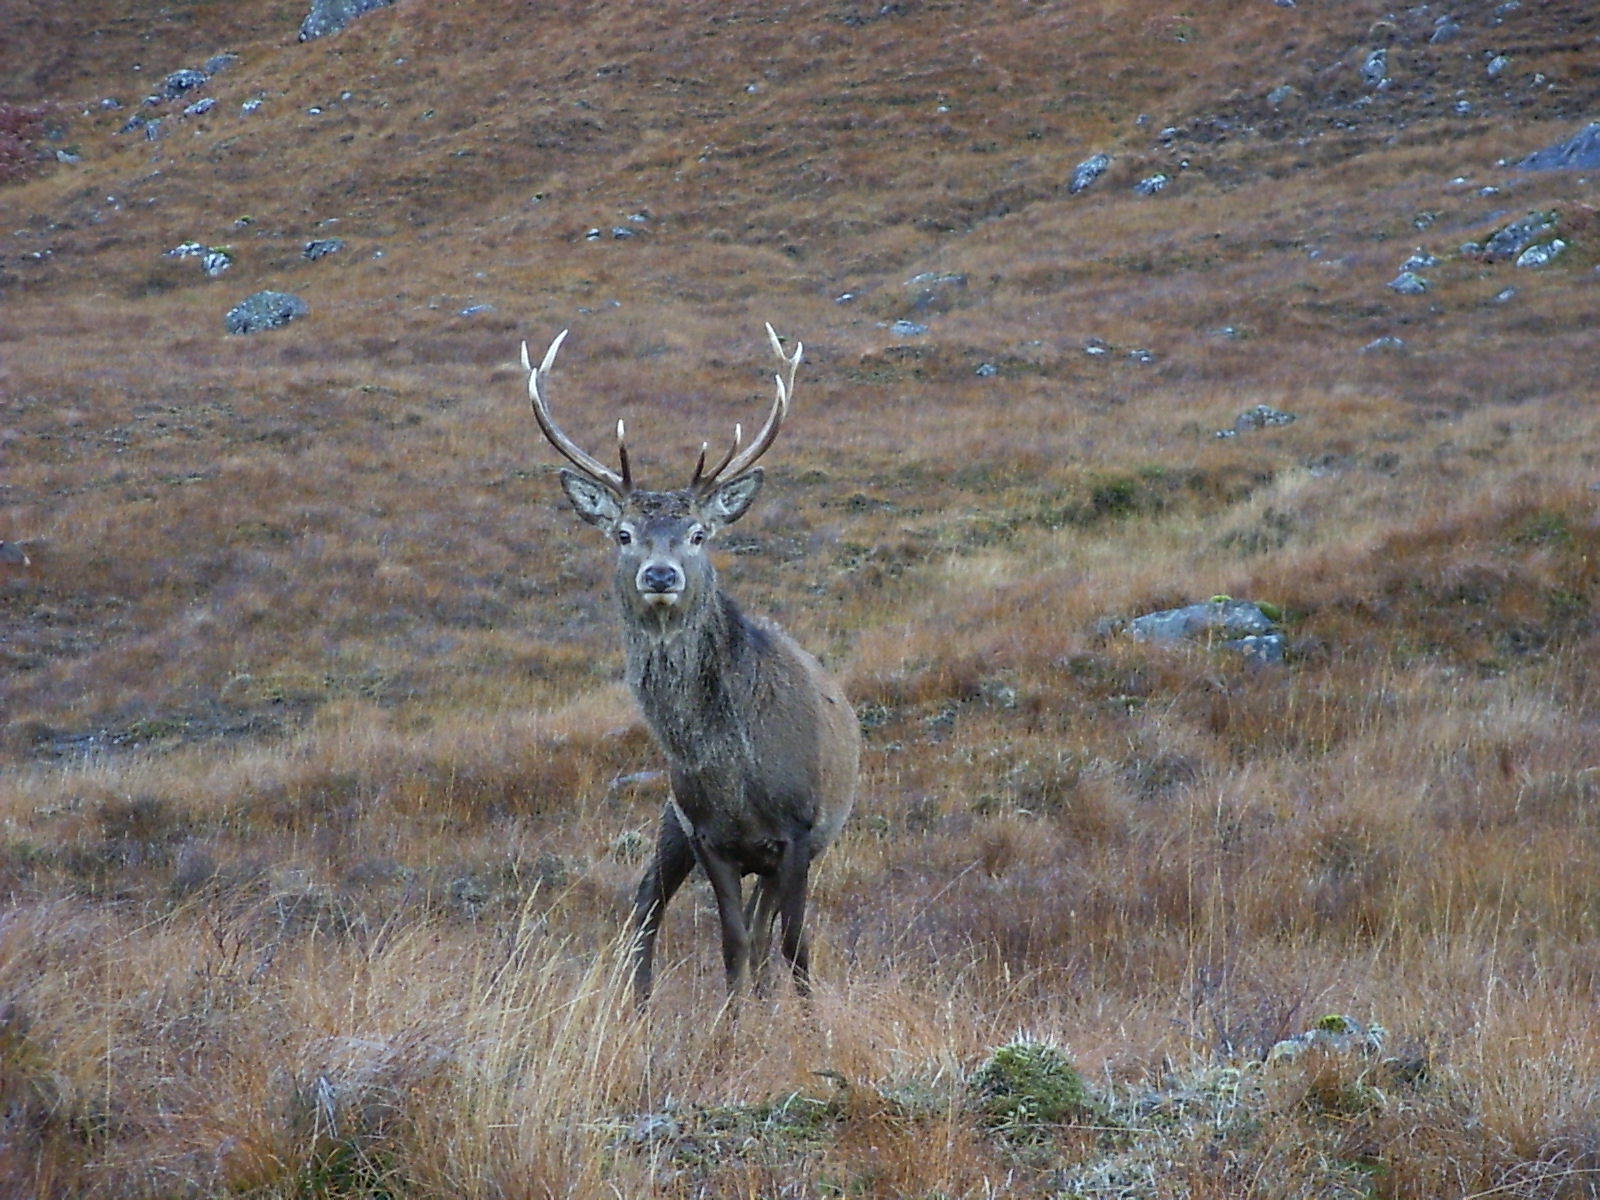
(759, 916)
(790, 902)
(671, 866)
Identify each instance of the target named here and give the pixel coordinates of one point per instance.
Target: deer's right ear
(594, 502)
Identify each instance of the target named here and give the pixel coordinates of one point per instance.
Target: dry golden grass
(320, 799)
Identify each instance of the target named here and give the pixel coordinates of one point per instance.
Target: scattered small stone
(220, 62)
(1504, 294)
(1262, 416)
(1445, 31)
(1087, 172)
(905, 328)
(179, 82)
(200, 107)
(1420, 260)
(214, 262)
(592, 235)
(1387, 342)
(184, 250)
(1463, 108)
(322, 247)
(987, 370)
(265, 310)
(1095, 348)
(1282, 94)
(1408, 283)
(1141, 355)
(473, 310)
(251, 105)
(1498, 65)
(621, 232)
(1150, 185)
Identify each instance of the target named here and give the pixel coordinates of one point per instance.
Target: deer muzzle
(660, 584)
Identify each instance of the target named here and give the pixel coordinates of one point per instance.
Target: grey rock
(905, 328)
(1409, 283)
(181, 82)
(1386, 342)
(1581, 150)
(1282, 94)
(184, 250)
(1446, 30)
(1218, 621)
(1511, 240)
(1497, 66)
(330, 16)
(1261, 648)
(987, 370)
(265, 310)
(1542, 254)
(1420, 260)
(1087, 172)
(1150, 185)
(473, 310)
(1262, 416)
(220, 62)
(215, 262)
(1375, 68)
(201, 107)
(322, 247)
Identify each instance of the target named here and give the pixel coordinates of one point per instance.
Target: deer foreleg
(673, 861)
(725, 886)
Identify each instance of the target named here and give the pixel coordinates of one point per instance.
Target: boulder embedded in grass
(265, 310)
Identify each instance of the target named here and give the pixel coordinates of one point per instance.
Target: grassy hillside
(321, 801)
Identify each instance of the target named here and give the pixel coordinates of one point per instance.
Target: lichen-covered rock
(265, 310)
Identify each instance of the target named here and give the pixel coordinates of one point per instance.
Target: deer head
(663, 572)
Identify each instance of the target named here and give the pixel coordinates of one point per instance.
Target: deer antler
(620, 484)
(733, 463)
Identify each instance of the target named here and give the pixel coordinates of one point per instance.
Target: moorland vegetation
(321, 800)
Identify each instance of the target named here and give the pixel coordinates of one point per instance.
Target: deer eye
(697, 536)
(624, 537)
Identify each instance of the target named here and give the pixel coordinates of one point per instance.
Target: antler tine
(587, 463)
(735, 463)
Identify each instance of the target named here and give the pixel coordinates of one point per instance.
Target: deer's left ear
(728, 502)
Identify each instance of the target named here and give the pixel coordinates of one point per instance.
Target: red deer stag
(762, 747)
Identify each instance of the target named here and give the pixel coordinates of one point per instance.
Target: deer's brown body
(762, 747)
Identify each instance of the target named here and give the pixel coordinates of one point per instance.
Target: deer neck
(689, 680)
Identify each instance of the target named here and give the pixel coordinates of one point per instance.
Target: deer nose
(660, 577)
